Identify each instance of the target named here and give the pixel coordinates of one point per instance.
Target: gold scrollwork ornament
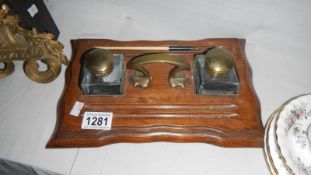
(17, 43)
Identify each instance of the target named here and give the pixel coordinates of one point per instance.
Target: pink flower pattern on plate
(303, 168)
(297, 113)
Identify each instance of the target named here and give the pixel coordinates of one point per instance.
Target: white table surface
(278, 34)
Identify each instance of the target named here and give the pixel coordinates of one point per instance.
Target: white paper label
(97, 120)
(75, 110)
(33, 10)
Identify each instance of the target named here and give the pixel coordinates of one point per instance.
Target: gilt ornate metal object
(17, 43)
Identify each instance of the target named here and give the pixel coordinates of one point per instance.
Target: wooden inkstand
(175, 91)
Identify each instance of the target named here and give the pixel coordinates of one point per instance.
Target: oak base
(160, 112)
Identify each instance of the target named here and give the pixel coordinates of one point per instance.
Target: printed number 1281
(97, 120)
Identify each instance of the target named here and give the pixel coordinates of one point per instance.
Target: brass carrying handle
(142, 78)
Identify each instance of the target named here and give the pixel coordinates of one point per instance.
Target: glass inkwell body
(102, 73)
(215, 73)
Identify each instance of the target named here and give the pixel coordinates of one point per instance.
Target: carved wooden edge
(162, 134)
(242, 43)
(216, 136)
(60, 103)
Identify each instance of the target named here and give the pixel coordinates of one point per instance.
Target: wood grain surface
(160, 112)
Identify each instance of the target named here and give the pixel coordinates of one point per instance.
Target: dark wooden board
(42, 20)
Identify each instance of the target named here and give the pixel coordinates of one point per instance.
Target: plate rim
(268, 156)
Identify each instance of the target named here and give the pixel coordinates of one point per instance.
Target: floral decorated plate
(293, 135)
(271, 155)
